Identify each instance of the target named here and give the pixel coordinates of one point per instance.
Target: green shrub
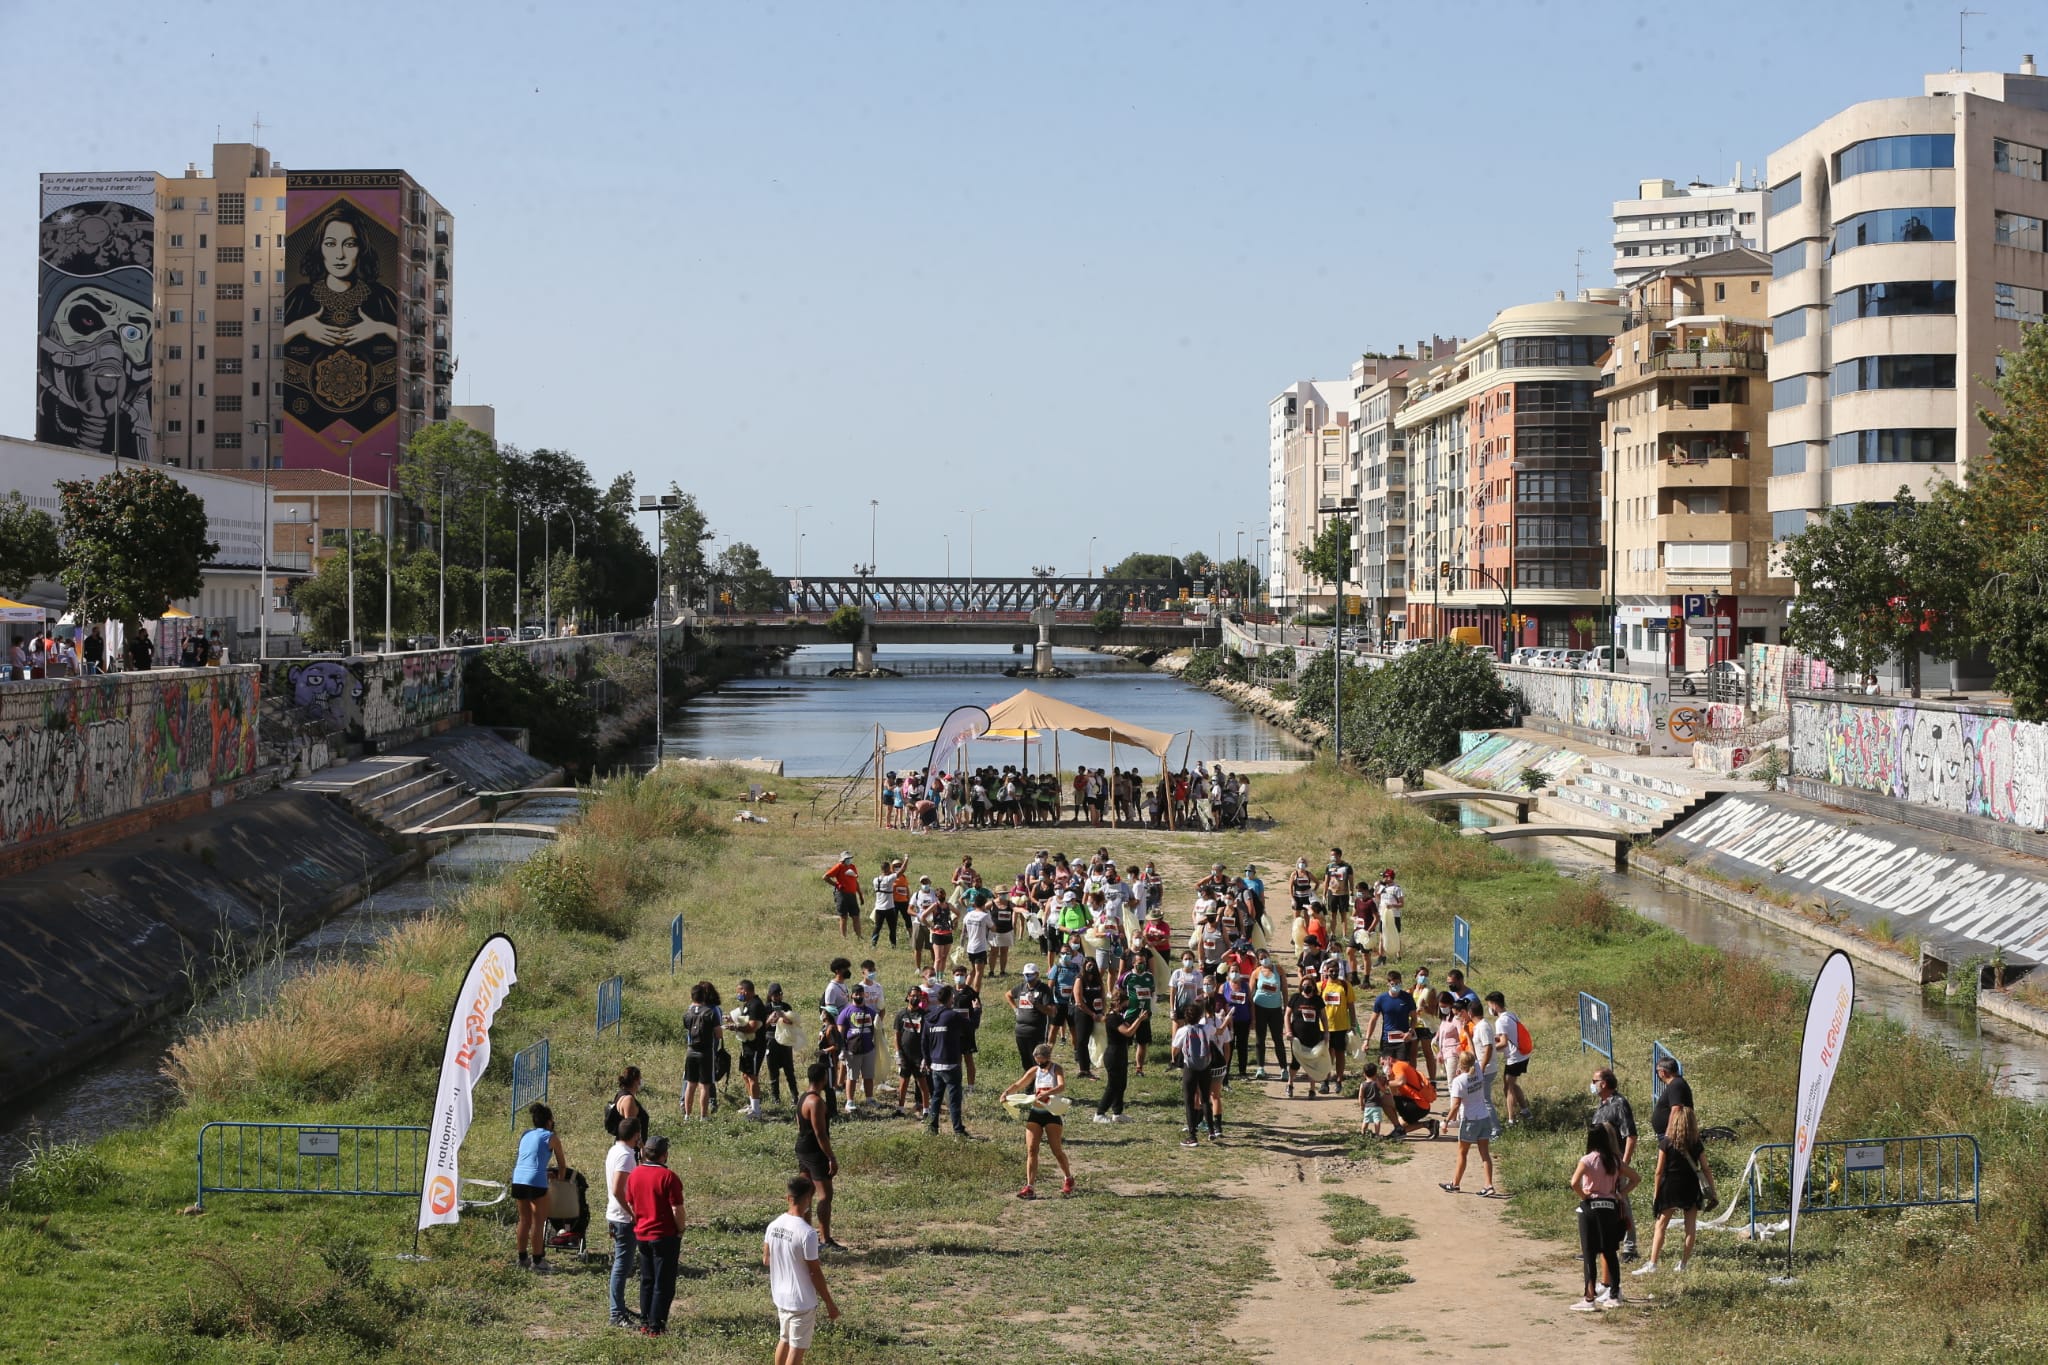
(54, 1173)
(560, 891)
(1107, 620)
(502, 686)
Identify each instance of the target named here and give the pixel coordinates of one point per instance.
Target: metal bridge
(889, 593)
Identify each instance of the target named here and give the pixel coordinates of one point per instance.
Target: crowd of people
(990, 797)
(1088, 955)
(41, 653)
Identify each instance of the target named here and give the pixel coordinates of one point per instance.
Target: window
(201, 390)
(1572, 573)
(177, 315)
(1893, 372)
(174, 426)
(202, 353)
(256, 390)
(227, 329)
(255, 315)
(176, 390)
(256, 352)
(1785, 196)
(1914, 151)
(1560, 350)
(1893, 445)
(231, 209)
(1895, 225)
(202, 236)
(229, 255)
(174, 352)
(259, 241)
(1789, 326)
(2018, 302)
(1745, 219)
(227, 402)
(1534, 532)
(176, 278)
(1785, 525)
(1554, 486)
(227, 292)
(256, 277)
(178, 239)
(199, 426)
(2016, 158)
(1900, 298)
(1788, 393)
(228, 440)
(227, 365)
(256, 203)
(1720, 292)
(1566, 397)
(2017, 229)
(177, 203)
(1789, 459)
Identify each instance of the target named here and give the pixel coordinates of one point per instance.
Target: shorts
(1373, 1114)
(970, 1046)
(697, 1068)
(942, 948)
(860, 1066)
(906, 1065)
(1476, 1130)
(814, 1165)
(751, 1058)
(529, 1191)
(1143, 1037)
(1044, 1118)
(1008, 940)
(849, 904)
(797, 1327)
(920, 937)
(979, 959)
(1518, 1068)
(1403, 1050)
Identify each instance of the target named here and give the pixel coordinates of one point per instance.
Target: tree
(686, 569)
(1239, 579)
(1878, 581)
(1408, 714)
(322, 600)
(462, 461)
(503, 686)
(28, 546)
(1194, 564)
(2008, 494)
(740, 572)
(1328, 556)
(1155, 568)
(133, 542)
(2013, 624)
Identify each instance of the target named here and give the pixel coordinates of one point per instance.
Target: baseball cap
(1031, 969)
(846, 856)
(656, 1147)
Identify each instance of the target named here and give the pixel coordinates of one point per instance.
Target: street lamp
(1088, 568)
(659, 504)
(796, 537)
(441, 535)
(349, 449)
(1613, 527)
(874, 519)
(970, 544)
(263, 573)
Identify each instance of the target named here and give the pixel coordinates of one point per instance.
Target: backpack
(1524, 1044)
(1195, 1052)
(697, 1025)
(612, 1118)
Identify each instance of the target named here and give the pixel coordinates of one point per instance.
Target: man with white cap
(845, 880)
(1033, 1002)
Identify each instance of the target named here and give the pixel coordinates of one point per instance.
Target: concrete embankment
(1255, 700)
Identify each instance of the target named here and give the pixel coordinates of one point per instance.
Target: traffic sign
(1695, 604)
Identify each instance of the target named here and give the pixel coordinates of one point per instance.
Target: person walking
(703, 1029)
(1192, 1053)
(655, 1199)
(1472, 1112)
(1674, 1089)
(1087, 1001)
(1042, 1080)
(619, 1163)
(1304, 1025)
(943, 1028)
(1682, 1184)
(1602, 1181)
(1126, 1017)
(1512, 1037)
(845, 880)
(796, 1277)
(749, 1019)
(1392, 900)
(814, 1156)
(1338, 1016)
(1269, 1013)
(1393, 1019)
(1613, 1110)
(977, 931)
(530, 1184)
(1033, 1002)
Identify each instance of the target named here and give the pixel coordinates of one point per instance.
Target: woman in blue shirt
(530, 1184)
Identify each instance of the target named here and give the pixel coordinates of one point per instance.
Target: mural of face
(95, 363)
(339, 249)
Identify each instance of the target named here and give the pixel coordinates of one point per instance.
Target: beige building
(1308, 435)
(1377, 483)
(1667, 223)
(1686, 406)
(1907, 250)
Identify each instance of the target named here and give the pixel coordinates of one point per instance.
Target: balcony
(1708, 361)
(1707, 417)
(1730, 471)
(1712, 526)
(441, 308)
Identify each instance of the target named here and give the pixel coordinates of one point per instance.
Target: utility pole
(660, 504)
(349, 447)
(263, 579)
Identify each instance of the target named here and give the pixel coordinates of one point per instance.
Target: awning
(1031, 715)
(11, 610)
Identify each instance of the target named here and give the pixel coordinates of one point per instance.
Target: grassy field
(97, 1262)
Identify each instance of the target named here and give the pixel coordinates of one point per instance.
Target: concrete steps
(398, 793)
(1638, 801)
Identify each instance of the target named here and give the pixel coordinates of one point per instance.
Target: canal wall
(139, 747)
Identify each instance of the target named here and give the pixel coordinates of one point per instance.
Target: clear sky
(1048, 259)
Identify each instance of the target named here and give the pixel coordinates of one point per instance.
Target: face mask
(959, 980)
(1593, 1089)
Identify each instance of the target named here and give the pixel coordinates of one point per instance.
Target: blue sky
(1050, 260)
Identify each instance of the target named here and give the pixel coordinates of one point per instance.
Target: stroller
(568, 1214)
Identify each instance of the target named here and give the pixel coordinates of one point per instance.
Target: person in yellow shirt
(1337, 1020)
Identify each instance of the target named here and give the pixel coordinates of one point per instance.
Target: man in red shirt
(845, 879)
(655, 1199)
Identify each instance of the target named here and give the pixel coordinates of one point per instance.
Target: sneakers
(1103, 1118)
(1027, 1193)
(1628, 1251)
(1435, 1126)
(1120, 1118)
(1647, 1268)
(1189, 1141)
(1585, 1306)
(1606, 1298)
(1067, 1186)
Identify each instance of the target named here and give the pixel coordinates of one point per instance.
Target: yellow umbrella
(173, 614)
(11, 610)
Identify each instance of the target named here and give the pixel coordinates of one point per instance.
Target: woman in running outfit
(1045, 1079)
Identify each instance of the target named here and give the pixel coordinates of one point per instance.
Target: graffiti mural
(341, 321)
(1968, 762)
(1599, 702)
(323, 691)
(95, 321)
(377, 696)
(75, 752)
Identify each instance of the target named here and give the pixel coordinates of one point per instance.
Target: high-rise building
(1504, 478)
(1668, 223)
(208, 320)
(1306, 440)
(1686, 403)
(1907, 250)
(1377, 482)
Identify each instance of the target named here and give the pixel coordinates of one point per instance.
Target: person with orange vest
(845, 880)
(1412, 1097)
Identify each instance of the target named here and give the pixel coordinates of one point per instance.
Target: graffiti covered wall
(1969, 762)
(374, 697)
(95, 320)
(73, 752)
(1600, 702)
(341, 321)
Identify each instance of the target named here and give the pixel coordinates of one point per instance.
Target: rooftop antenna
(256, 130)
(1578, 271)
(1963, 17)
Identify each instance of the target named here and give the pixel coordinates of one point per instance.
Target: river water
(821, 726)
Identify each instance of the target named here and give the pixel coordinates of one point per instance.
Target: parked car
(1723, 681)
(1605, 659)
(531, 632)
(1525, 656)
(1550, 656)
(497, 635)
(1484, 651)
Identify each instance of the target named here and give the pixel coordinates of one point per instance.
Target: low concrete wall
(80, 750)
(1595, 706)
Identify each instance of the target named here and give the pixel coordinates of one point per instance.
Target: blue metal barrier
(529, 1078)
(358, 1159)
(675, 944)
(611, 1004)
(1461, 942)
(1658, 1052)
(1852, 1174)
(1596, 1026)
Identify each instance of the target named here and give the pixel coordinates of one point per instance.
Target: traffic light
(1443, 568)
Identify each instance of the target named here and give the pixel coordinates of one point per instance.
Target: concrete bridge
(1520, 801)
(1621, 839)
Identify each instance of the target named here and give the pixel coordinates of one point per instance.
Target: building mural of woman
(341, 326)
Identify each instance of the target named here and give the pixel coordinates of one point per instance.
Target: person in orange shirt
(1412, 1097)
(845, 880)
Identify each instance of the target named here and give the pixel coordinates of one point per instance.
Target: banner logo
(441, 1195)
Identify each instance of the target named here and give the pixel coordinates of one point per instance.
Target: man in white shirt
(1391, 898)
(796, 1281)
(976, 927)
(1484, 1047)
(1507, 1037)
(618, 1164)
(884, 911)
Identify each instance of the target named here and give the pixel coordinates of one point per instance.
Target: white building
(1308, 432)
(1667, 222)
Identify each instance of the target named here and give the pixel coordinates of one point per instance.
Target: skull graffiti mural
(96, 324)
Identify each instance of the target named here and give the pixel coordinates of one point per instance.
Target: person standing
(1125, 1018)
(943, 1028)
(940, 922)
(1339, 1013)
(1032, 1000)
(845, 880)
(1472, 1112)
(1089, 999)
(1674, 1090)
(814, 1156)
(1484, 1045)
(977, 928)
(910, 1073)
(1192, 1052)
(749, 1019)
(618, 1164)
(796, 1278)
(1304, 1024)
(1681, 1184)
(1602, 1180)
(781, 1024)
(1043, 1079)
(859, 1025)
(530, 1184)
(1391, 900)
(703, 1028)
(1002, 936)
(95, 652)
(1393, 1018)
(1612, 1109)
(967, 1004)
(1269, 1012)
(1509, 1034)
(654, 1197)
(883, 911)
(1337, 879)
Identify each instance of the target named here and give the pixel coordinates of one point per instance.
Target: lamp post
(874, 520)
(658, 503)
(263, 572)
(349, 449)
(1613, 526)
(484, 607)
(518, 501)
(547, 569)
(441, 535)
(390, 530)
(1088, 567)
(970, 548)
(796, 537)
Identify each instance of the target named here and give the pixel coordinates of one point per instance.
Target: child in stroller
(569, 1212)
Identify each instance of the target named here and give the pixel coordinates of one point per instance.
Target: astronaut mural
(341, 321)
(94, 319)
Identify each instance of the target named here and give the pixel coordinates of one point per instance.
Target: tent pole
(878, 778)
(1112, 780)
(1059, 793)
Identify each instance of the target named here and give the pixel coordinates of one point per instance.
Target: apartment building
(1308, 434)
(1686, 404)
(1907, 250)
(1668, 223)
(252, 313)
(1503, 459)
